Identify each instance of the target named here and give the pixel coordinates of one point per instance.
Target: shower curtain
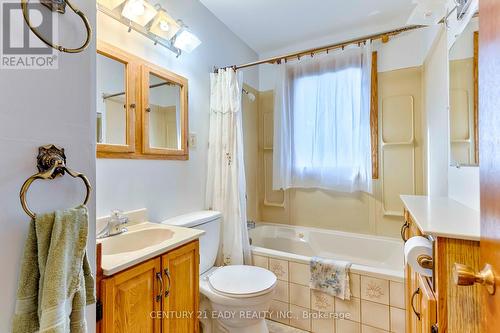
(226, 186)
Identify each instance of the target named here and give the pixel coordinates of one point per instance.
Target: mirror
(115, 101)
(111, 101)
(164, 113)
(463, 57)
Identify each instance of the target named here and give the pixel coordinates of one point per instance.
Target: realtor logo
(20, 48)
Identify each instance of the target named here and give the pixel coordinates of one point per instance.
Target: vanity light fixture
(152, 22)
(186, 41)
(164, 25)
(139, 11)
(110, 4)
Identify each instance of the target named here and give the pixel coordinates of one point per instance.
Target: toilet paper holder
(425, 261)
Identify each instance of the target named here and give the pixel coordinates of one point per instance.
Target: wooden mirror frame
(116, 54)
(137, 92)
(182, 82)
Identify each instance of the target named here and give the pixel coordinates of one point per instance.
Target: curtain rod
(384, 36)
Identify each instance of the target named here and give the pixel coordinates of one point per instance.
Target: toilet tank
(208, 221)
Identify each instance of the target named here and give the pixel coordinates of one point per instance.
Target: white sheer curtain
(226, 187)
(322, 122)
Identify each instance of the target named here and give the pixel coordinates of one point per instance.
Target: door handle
(167, 274)
(464, 275)
(160, 281)
(415, 293)
(404, 227)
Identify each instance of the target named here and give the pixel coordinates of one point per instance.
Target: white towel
(330, 276)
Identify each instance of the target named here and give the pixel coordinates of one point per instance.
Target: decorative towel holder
(58, 6)
(51, 163)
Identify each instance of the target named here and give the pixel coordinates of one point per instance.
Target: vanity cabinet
(180, 267)
(437, 304)
(159, 295)
(129, 297)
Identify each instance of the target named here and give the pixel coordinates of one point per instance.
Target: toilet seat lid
(242, 280)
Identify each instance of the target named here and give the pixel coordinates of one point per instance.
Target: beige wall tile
(279, 311)
(322, 324)
(299, 319)
(280, 268)
(355, 285)
(351, 307)
(347, 326)
(397, 292)
(321, 301)
(300, 295)
(299, 273)
(375, 315)
(375, 290)
(261, 261)
(398, 320)
(369, 329)
(281, 292)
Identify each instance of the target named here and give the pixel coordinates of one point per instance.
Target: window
(322, 123)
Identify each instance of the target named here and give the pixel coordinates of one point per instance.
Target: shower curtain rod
(384, 36)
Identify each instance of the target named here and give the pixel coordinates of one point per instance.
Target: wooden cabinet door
(427, 305)
(180, 269)
(130, 300)
(412, 302)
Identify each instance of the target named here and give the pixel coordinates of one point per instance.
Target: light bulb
(137, 7)
(164, 26)
(187, 41)
(139, 11)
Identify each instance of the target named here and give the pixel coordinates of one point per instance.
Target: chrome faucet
(114, 225)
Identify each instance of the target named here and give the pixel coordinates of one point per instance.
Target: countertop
(443, 217)
(142, 242)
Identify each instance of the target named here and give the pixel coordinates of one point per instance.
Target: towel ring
(51, 163)
(60, 8)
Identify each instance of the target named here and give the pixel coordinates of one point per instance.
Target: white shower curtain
(226, 187)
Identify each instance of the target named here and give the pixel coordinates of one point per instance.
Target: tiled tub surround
(377, 304)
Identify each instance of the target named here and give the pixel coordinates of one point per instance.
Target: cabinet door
(180, 299)
(428, 305)
(130, 301)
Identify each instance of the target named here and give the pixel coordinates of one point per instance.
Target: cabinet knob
(464, 275)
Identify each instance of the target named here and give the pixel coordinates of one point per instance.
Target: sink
(141, 242)
(135, 241)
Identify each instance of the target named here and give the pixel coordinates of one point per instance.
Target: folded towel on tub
(330, 276)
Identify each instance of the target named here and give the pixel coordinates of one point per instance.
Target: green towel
(55, 283)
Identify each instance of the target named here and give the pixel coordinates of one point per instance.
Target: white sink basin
(141, 242)
(135, 241)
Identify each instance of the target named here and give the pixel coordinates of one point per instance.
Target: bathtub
(370, 255)
(376, 277)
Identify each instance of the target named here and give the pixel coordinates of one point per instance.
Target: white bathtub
(375, 256)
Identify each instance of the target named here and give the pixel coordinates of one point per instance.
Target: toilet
(234, 298)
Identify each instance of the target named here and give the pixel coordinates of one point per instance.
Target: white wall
(169, 188)
(39, 107)
(436, 116)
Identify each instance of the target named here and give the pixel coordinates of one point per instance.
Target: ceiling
(267, 25)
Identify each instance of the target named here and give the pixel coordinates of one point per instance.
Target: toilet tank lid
(193, 219)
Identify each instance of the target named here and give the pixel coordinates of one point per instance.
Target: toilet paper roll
(415, 247)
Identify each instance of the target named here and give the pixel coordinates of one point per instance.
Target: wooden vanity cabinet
(440, 304)
(159, 295)
(180, 268)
